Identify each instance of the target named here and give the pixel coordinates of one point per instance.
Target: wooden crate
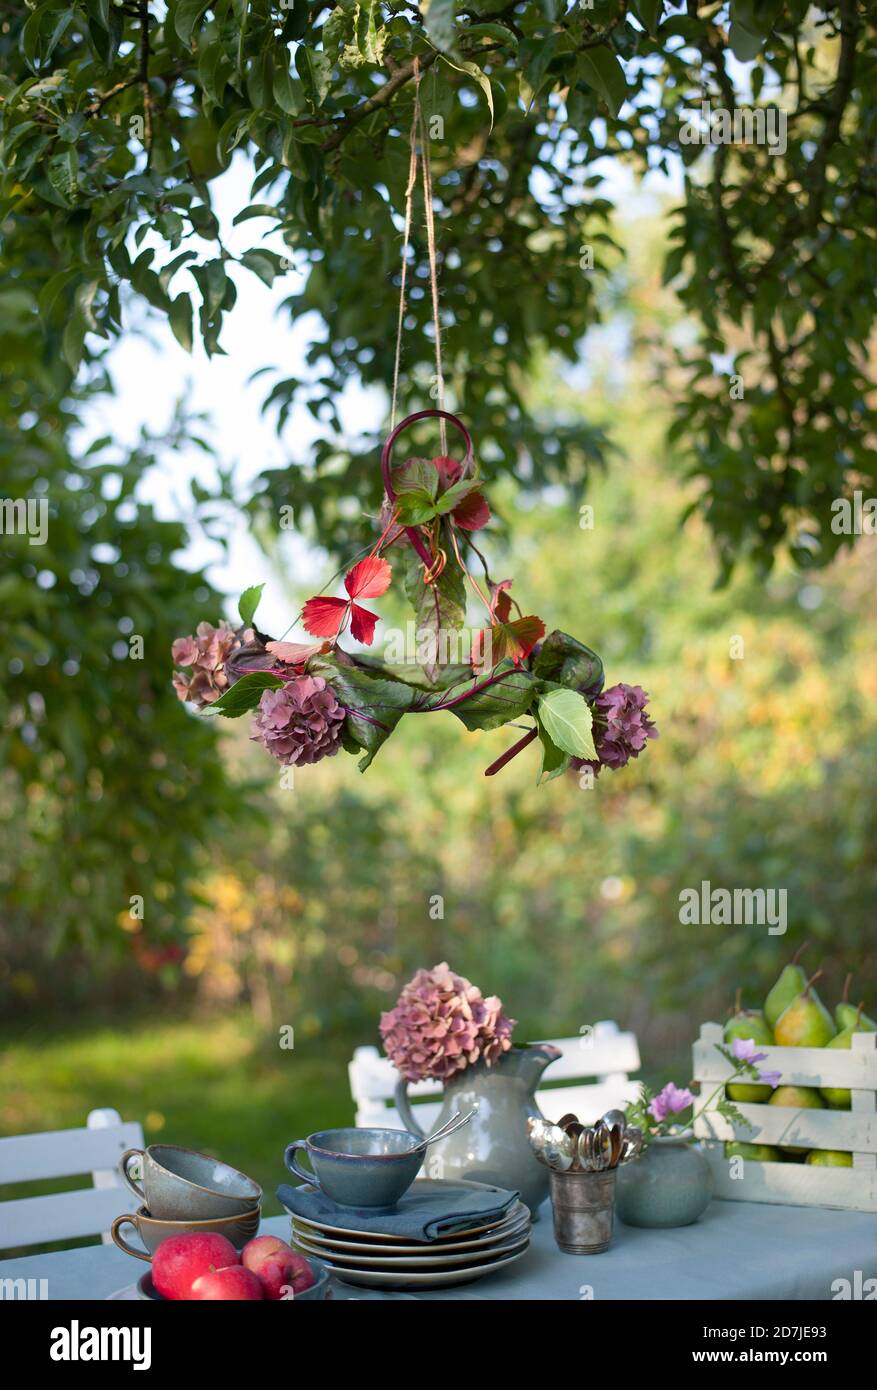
(853, 1130)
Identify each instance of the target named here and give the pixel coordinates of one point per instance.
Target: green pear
(847, 1014)
(791, 981)
(759, 1153)
(805, 1022)
(838, 1097)
(797, 1098)
(751, 1024)
(829, 1158)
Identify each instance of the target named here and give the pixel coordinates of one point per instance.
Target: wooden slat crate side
(793, 1184)
(803, 1129)
(864, 1103)
(853, 1130)
(800, 1066)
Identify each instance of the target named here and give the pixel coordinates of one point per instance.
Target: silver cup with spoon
(583, 1161)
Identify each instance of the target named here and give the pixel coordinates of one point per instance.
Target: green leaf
(505, 699)
(439, 615)
(266, 264)
(600, 68)
(440, 24)
(244, 695)
(375, 705)
(315, 71)
(565, 661)
(745, 43)
(481, 78)
(288, 93)
(554, 761)
(180, 318)
(649, 12)
(455, 494)
(249, 602)
(568, 722)
(187, 16)
(73, 340)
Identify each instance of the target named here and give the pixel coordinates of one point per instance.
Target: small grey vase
(670, 1184)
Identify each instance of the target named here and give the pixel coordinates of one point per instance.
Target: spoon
(615, 1117)
(632, 1146)
(551, 1144)
(450, 1127)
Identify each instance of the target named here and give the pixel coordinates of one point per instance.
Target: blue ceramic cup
(359, 1167)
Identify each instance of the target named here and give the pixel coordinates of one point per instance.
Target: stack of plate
(390, 1262)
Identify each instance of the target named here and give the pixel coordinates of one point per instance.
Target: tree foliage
(105, 789)
(117, 116)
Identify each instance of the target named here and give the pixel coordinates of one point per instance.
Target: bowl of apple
(207, 1268)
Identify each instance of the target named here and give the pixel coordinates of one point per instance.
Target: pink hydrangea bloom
(300, 723)
(203, 657)
(441, 1023)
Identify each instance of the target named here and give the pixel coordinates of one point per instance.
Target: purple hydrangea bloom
(627, 724)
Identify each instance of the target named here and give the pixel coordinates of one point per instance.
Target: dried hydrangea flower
(300, 723)
(203, 657)
(441, 1023)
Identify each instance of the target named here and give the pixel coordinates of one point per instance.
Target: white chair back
(64, 1153)
(597, 1066)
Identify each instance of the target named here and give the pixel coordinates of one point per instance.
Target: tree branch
(380, 98)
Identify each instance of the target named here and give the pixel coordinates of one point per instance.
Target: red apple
(281, 1271)
(232, 1284)
(180, 1260)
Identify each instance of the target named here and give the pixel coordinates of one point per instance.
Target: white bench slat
(63, 1153)
(587, 1102)
(61, 1215)
(595, 1054)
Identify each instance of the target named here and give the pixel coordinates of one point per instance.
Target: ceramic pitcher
(493, 1147)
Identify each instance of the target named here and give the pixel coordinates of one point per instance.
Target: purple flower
(621, 727)
(669, 1102)
(301, 723)
(627, 725)
(770, 1078)
(744, 1050)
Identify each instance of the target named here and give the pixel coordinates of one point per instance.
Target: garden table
(737, 1250)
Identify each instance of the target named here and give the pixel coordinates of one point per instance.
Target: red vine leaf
(362, 624)
(506, 640)
(472, 513)
(324, 617)
(369, 579)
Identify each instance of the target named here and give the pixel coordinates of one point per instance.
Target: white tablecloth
(738, 1250)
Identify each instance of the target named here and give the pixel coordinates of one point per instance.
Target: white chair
(63, 1153)
(603, 1054)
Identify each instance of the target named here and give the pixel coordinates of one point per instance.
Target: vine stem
(467, 695)
(510, 753)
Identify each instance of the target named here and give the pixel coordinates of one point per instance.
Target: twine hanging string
(418, 128)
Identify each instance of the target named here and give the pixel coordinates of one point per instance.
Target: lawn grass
(213, 1084)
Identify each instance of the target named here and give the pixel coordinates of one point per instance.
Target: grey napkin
(416, 1217)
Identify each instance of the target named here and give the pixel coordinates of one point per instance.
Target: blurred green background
(266, 908)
